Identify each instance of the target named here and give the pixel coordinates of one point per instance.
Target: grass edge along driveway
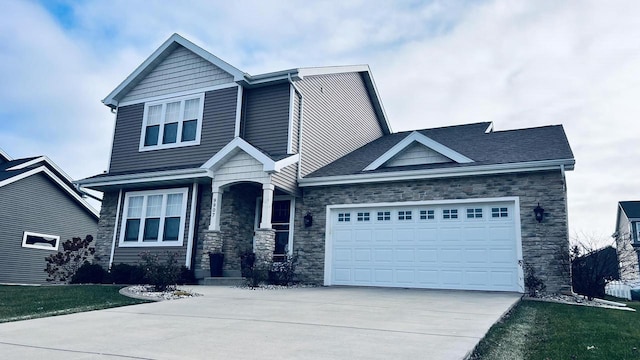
(539, 330)
(30, 302)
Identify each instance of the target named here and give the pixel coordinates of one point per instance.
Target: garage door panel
(474, 251)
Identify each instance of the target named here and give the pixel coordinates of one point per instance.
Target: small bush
(163, 276)
(535, 286)
(282, 272)
(253, 272)
(89, 274)
(127, 274)
(62, 265)
(187, 276)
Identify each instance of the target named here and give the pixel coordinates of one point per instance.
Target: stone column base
(211, 243)
(265, 244)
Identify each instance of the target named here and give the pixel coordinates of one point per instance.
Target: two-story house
(627, 237)
(208, 158)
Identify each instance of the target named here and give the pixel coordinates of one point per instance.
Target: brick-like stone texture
(106, 225)
(545, 245)
(265, 244)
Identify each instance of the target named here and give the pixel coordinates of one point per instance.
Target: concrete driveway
(304, 323)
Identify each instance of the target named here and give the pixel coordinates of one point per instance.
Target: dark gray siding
(36, 204)
(338, 118)
(218, 128)
(266, 118)
(131, 255)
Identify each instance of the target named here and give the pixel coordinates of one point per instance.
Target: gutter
(567, 164)
(140, 178)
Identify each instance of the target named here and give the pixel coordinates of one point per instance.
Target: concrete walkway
(304, 323)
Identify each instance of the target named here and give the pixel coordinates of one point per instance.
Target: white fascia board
(279, 165)
(236, 131)
(436, 173)
(489, 128)
(46, 160)
(327, 70)
(43, 169)
(5, 155)
(238, 75)
(231, 148)
(143, 178)
(424, 140)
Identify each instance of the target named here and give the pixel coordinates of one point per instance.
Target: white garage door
(472, 246)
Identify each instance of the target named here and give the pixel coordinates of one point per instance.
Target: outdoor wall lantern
(308, 220)
(539, 213)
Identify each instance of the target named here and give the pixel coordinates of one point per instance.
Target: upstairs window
(154, 218)
(172, 123)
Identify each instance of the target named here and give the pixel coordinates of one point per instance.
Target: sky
(519, 64)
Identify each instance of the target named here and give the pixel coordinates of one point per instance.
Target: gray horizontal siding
(181, 70)
(295, 124)
(338, 118)
(218, 129)
(131, 255)
(287, 179)
(36, 204)
(266, 118)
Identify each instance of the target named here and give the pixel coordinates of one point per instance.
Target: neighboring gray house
(627, 236)
(207, 158)
(39, 209)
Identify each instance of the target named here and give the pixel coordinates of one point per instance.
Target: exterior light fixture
(308, 220)
(539, 213)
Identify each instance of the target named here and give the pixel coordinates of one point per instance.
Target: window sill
(150, 244)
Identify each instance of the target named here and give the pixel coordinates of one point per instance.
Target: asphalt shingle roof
(498, 147)
(631, 208)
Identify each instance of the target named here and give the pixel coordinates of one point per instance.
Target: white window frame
(637, 239)
(292, 216)
(179, 142)
(35, 246)
(159, 243)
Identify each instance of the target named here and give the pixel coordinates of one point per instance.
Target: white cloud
(517, 63)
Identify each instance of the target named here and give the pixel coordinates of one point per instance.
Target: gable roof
(496, 151)
(239, 144)
(242, 78)
(631, 209)
(4, 157)
(18, 169)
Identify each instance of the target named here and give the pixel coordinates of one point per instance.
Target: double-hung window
(154, 218)
(172, 123)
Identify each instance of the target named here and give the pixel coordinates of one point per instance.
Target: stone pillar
(216, 205)
(265, 244)
(212, 242)
(267, 206)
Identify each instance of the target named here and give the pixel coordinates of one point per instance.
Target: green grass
(28, 302)
(539, 330)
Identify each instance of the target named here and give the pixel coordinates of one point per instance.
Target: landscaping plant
(162, 275)
(61, 266)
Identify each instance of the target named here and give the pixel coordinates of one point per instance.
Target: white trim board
(144, 177)
(5, 155)
(56, 179)
(424, 140)
(269, 165)
(179, 94)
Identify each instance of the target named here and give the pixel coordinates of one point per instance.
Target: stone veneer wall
(106, 224)
(545, 246)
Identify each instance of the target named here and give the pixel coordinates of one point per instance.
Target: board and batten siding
(131, 255)
(266, 118)
(338, 118)
(181, 70)
(218, 127)
(36, 204)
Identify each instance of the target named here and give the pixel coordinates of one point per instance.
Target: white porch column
(216, 203)
(267, 204)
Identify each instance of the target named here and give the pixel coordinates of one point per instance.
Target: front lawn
(540, 330)
(28, 302)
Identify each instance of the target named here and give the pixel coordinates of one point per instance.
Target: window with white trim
(474, 213)
(172, 123)
(344, 217)
(450, 214)
(501, 212)
(384, 215)
(427, 214)
(404, 215)
(154, 218)
(363, 216)
(40, 241)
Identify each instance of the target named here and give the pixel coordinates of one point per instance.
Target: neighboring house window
(637, 232)
(404, 215)
(344, 217)
(450, 213)
(427, 215)
(475, 213)
(154, 218)
(363, 216)
(502, 212)
(172, 123)
(384, 215)
(40, 241)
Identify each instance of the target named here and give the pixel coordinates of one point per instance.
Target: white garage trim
(328, 263)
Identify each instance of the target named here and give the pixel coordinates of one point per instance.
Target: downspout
(301, 117)
(115, 229)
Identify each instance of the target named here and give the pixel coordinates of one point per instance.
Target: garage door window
(450, 214)
(384, 215)
(404, 215)
(344, 217)
(427, 214)
(501, 212)
(364, 216)
(475, 213)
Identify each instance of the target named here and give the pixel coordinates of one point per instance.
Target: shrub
(253, 272)
(89, 274)
(163, 276)
(187, 276)
(127, 274)
(62, 265)
(282, 272)
(535, 286)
